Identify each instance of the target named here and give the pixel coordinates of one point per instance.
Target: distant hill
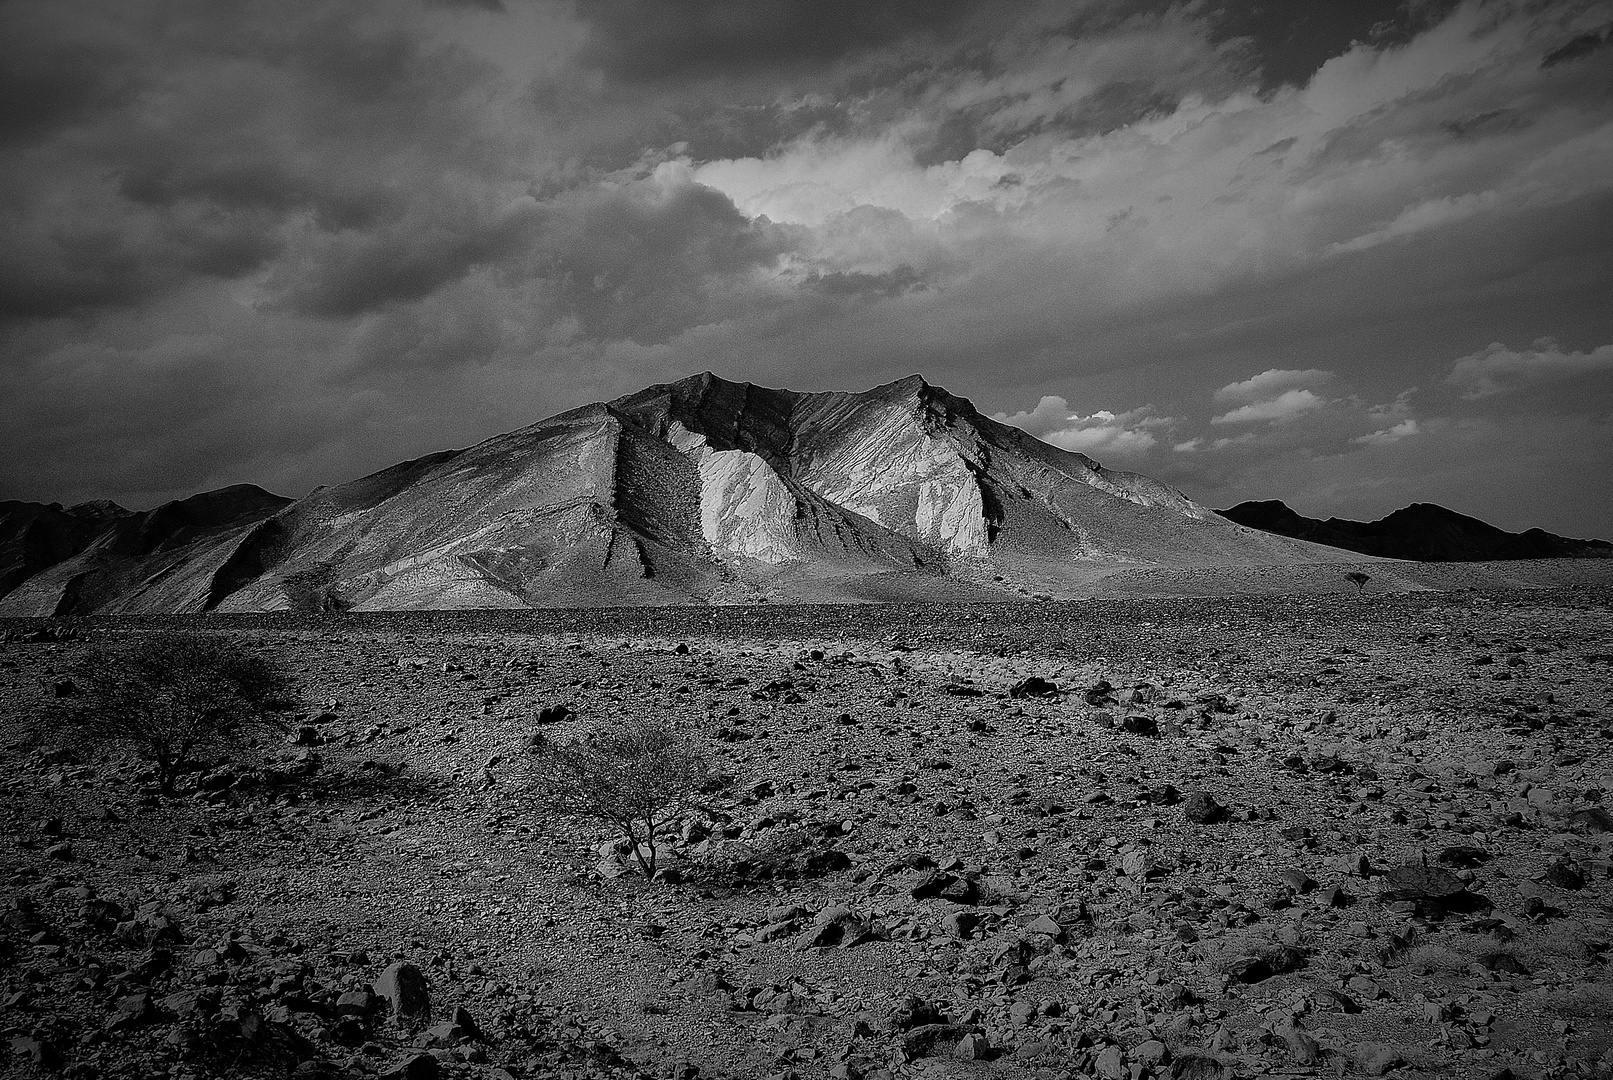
(1422, 531)
(697, 491)
(100, 556)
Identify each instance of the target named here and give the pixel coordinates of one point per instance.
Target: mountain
(100, 557)
(1422, 531)
(698, 491)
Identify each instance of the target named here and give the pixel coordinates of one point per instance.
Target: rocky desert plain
(1311, 834)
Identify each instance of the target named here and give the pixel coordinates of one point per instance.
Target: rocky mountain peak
(700, 490)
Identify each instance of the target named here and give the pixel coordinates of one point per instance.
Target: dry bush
(639, 775)
(1455, 953)
(1434, 959)
(168, 697)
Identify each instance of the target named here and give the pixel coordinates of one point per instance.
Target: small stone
(972, 1047)
(775, 931)
(1199, 1067)
(1047, 926)
(361, 1002)
(1563, 874)
(36, 1052)
(1334, 897)
(1035, 686)
(1302, 1048)
(1375, 1058)
(1463, 857)
(1257, 967)
(413, 1067)
(1298, 880)
(1110, 1064)
(1150, 1052)
(132, 1011)
(183, 1004)
(1416, 882)
(1140, 724)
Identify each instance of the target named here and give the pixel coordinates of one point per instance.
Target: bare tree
(1359, 579)
(638, 775)
(167, 697)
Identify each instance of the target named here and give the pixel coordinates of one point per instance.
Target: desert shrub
(169, 697)
(1436, 959)
(638, 775)
(1358, 579)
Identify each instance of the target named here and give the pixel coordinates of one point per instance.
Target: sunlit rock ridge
(698, 491)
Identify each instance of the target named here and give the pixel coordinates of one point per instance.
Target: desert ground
(1121, 838)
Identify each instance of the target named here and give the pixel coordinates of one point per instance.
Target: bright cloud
(1496, 369)
(1224, 185)
(1127, 434)
(1284, 406)
(1386, 436)
(1270, 383)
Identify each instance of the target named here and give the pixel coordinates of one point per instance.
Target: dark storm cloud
(45, 90)
(896, 282)
(1291, 41)
(251, 137)
(1577, 49)
(352, 271)
(640, 262)
(648, 40)
(312, 239)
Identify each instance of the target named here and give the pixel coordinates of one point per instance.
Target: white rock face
(745, 508)
(898, 476)
(950, 512)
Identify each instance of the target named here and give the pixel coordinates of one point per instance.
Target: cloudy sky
(1347, 255)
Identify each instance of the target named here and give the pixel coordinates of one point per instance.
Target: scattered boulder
(1110, 1063)
(1302, 1048)
(1564, 874)
(131, 1011)
(1199, 1067)
(929, 1040)
(1375, 1058)
(837, 927)
(1463, 857)
(1035, 686)
(1266, 962)
(413, 1066)
(1200, 808)
(403, 987)
(1433, 889)
(36, 1051)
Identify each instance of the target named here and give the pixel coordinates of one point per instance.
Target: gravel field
(1196, 837)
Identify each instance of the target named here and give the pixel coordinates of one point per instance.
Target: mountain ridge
(699, 490)
(1421, 532)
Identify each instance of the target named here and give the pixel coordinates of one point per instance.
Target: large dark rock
(930, 1040)
(403, 987)
(1200, 808)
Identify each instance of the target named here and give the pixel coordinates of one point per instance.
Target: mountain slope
(101, 557)
(699, 491)
(1422, 531)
